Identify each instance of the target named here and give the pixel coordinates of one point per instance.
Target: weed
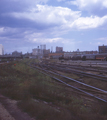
(43, 111)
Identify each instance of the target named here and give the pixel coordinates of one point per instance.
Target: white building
(43, 47)
(37, 51)
(1, 50)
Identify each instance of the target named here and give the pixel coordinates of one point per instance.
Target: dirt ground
(10, 111)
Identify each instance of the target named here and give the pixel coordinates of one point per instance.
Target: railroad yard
(48, 89)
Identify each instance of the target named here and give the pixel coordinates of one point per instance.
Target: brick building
(56, 55)
(102, 49)
(59, 49)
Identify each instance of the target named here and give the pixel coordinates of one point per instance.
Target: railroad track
(88, 63)
(96, 92)
(83, 68)
(77, 72)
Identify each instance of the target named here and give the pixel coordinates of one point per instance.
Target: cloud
(61, 0)
(45, 21)
(19, 36)
(89, 22)
(56, 40)
(102, 39)
(99, 41)
(18, 5)
(11, 33)
(46, 40)
(42, 23)
(96, 7)
(47, 15)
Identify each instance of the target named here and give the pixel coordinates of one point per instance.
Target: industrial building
(46, 53)
(56, 55)
(1, 49)
(37, 52)
(40, 52)
(15, 53)
(102, 49)
(71, 54)
(43, 47)
(68, 54)
(59, 49)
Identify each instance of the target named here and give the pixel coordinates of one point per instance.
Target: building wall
(46, 52)
(70, 54)
(1, 50)
(102, 49)
(37, 51)
(91, 52)
(59, 49)
(56, 55)
(43, 47)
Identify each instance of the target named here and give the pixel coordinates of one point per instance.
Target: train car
(61, 57)
(67, 58)
(85, 57)
(76, 57)
(90, 57)
(101, 57)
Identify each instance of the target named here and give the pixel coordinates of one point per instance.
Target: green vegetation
(44, 98)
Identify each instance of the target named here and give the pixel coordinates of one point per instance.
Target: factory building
(102, 49)
(1, 49)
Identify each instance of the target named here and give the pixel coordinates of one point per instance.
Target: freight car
(95, 57)
(76, 57)
(64, 58)
(101, 57)
(86, 57)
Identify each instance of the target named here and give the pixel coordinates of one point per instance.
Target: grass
(43, 111)
(97, 83)
(42, 97)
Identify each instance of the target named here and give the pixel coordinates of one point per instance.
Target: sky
(71, 24)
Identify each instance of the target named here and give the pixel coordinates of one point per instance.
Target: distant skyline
(71, 24)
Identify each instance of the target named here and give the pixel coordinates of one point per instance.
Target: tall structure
(43, 47)
(59, 49)
(1, 49)
(46, 53)
(36, 51)
(41, 52)
(52, 49)
(102, 49)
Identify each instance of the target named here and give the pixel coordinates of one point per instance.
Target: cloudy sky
(71, 24)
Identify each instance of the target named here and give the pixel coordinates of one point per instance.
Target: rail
(46, 72)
